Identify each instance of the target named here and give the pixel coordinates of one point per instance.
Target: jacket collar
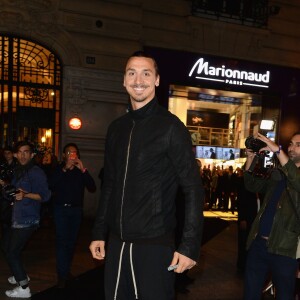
(144, 111)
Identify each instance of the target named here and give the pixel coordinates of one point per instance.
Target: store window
(30, 93)
(220, 121)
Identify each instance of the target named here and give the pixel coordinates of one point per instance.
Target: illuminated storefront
(222, 101)
(30, 93)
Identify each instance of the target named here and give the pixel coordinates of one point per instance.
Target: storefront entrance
(30, 93)
(227, 97)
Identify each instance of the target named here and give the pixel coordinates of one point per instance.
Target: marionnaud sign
(202, 70)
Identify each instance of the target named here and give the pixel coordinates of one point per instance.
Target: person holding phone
(68, 183)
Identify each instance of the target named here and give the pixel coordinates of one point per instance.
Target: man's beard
(138, 99)
(294, 158)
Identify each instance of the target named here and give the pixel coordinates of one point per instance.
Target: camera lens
(254, 144)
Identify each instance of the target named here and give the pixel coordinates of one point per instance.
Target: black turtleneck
(144, 111)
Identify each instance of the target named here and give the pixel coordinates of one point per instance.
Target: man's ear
(157, 81)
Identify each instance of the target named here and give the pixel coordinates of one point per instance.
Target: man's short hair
(20, 144)
(8, 148)
(296, 133)
(141, 53)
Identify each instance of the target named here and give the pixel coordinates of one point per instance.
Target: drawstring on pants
(132, 271)
(119, 270)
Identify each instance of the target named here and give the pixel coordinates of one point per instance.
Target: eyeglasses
(71, 152)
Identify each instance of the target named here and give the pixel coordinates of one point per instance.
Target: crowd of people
(221, 187)
(225, 191)
(35, 186)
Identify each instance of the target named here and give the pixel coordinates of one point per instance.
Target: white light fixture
(267, 125)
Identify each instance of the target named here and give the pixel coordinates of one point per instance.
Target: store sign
(202, 70)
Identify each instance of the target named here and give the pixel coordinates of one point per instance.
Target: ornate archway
(30, 93)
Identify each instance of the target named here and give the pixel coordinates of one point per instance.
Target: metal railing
(253, 13)
(211, 136)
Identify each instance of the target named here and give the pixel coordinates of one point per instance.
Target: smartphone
(72, 155)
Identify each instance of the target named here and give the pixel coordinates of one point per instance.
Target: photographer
(29, 188)
(273, 238)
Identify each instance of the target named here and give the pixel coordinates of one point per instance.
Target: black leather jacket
(148, 154)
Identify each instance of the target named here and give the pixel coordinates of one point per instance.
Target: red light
(75, 123)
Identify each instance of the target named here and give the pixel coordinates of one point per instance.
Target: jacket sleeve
(89, 182)
(100, 226)
(40, 185)
(187, 170)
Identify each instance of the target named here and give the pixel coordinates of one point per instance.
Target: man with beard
(30, 188)
(148, 155)
(273, 238)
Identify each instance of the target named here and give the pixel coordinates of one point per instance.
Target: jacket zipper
(124, 181)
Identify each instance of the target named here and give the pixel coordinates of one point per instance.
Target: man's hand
(78, 163)
(273, 147)
(183, 262)
(20, 194)
(97, 249)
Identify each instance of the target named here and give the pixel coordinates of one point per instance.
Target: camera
(10, 191)
(254, 144)
(263, 163)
